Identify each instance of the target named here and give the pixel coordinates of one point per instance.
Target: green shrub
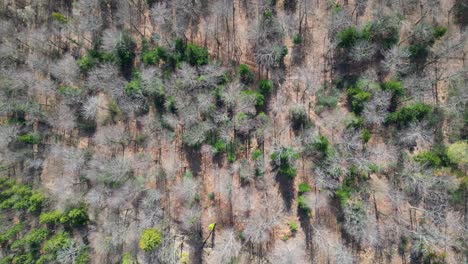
(410, 113)
(304, 187)
(393, 86)
(35, 201)
(23, 259)
(150, 239)
(128, 259)
(134, 86)
(457, 153)
(18, 196)
(59, 17)
(256, 154)
(76, 216)
(56, 242)
(7, 260)
(196, 55)
(357, 97)
(32, 239)
(11, 232)
(246, 75)
(83, 257)
(211, 196)
(366, 135)
(153, 57)
(302, 204)
(439, 32)
(30, 138)
(428, 158)
(52, 217)
(219, 146)
(343, 193)
(87, 62)
(293, 226)
(418, 51)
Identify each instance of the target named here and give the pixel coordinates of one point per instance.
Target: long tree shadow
(286, 188)
(304, 219)
(193, 156)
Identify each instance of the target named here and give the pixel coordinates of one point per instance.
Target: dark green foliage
(24, 259)
(304, 187)
(125, 52)
(246, 75)
(256, 154)
(366, 135)
(196, 55)
(460, 9)
(87, 62)
(265, 87)
(321, 144)
(418, 51)
(439, 32)
(348, 37)
(284, 160)
(30, 138)
(32, 239)
(343, 194)
(231, 152)
(153, 57)
(357, 97)
(76, 216)
(421, 43)
(297, 39)
(259, 98)
(219, 146)
(282, 52)
(179, 46)
(385, 31)
(56, 242)
(410, 113)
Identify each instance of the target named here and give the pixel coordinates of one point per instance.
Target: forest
(233, 131)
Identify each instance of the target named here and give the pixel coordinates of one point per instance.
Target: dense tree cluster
(223, 131)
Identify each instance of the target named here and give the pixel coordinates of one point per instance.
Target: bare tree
(227, 247)
(66, 70)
